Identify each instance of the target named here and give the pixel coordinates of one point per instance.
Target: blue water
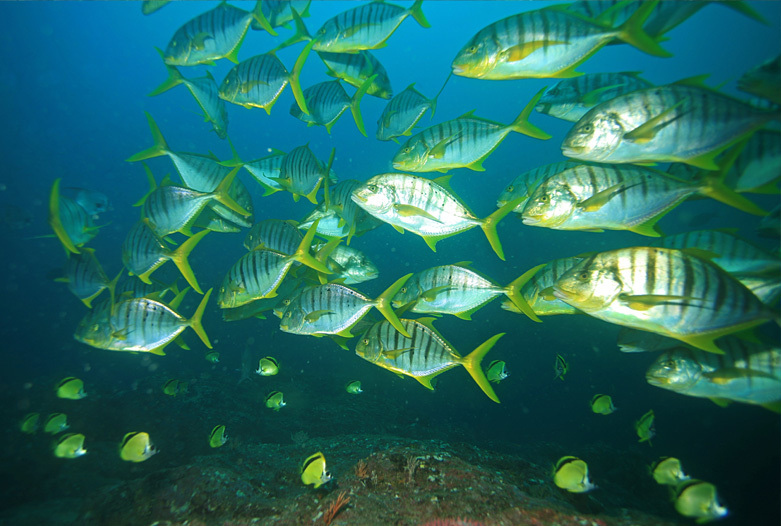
(74, 87)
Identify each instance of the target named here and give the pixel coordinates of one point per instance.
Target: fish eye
(365, 341)
(327, 474)
(94, 328)
(587, 128)
(510, 188)
(403, 289)
(471, 49)
(544, 199)
(372, 187)
(584, 276)
(406, 150)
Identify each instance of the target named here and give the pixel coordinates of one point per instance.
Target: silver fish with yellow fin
(538, 291)
(459, 290)
(465, 142)
(70, 388)
(571, 474)
(328, 100)
(348, 263)
(215, 34)
(427, 208)
(667, 471)
(684, 122)
(72, 225)
(548, 42)
(70, 445)
(747, 372)
(424, 355)
(666, 291)
(85, 276)
(274, 234)
(136, 447)
(333, 308)
(356, 68)
(763, 80)
(301, 173)
(698, 500)
(404, 111)
(523, 185)
(313, 471)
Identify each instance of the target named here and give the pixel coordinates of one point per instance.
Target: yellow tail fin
(195, 321)
(471, 363)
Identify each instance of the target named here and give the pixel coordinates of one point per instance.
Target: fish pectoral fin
(547, 294)
(199, 40)
(721, 402)
(600, 199)
(398, 229)
(431, 294)
(395, 353)
(642, 302)
(410, 211)
(524, 49)
(726, 375)
(317, 314)
(354, 30)
(439, 149)
(648, 130)
(120, 334)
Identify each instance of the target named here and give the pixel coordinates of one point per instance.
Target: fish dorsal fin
(696, 81)
(592, 97)
(467, 115)
(725, 375)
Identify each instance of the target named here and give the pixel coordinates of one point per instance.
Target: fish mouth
(457, 69)
(570, 151)
(358, 198)
(561, 294)
(531, 220)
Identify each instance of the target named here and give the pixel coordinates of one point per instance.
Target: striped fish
(266, 171)
(333, 308)
(747, 372)
(259, 273)
(85, 276)
(331, 225)
(339, 199)
(424, 355)
(208, 219)
(347, 263)
(140, 325)
(174, 208)
(538, 291)
(204, 90)
(763, 80)
(617, 197)
(133, 287)
(665, 291)
(274, 234)
(464, 142)
(259, 81)
(548, 42)
(427, 208)
(327, 101)
(665, 16)
(458, 290)
(259, 308)
(683, 122)
(634, 340)
(524, 185)
(301, 173)
(72, 225)
(279, 12)
(404, 111)
(757, 166)
(728, 250)
(143, 252)
(215, 34)
(356, 68)
(570, 99)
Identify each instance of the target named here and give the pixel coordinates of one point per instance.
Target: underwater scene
(442, 263)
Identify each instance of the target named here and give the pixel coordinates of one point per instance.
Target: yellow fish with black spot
(136, 447)
(571, 474)
(218, 437)
(70, 446)
(313, 471)
(70, 388)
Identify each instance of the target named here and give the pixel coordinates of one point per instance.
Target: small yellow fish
(213, 357)
(218, 437)
(30, 423)
(698, 500)
(354, 387)
(55, 423)
(313, 470)
(668, 471)
(70, 388)
(497, 371)
(268, 366)
(70, 446)
(602, 404)
(174, 387)
(136, 447)
(274, 400)
(645, 427)
(571, 474)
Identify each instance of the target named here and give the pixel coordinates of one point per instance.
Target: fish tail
(513, 292)
(489, 226)
(713, 186)
(180, 255)
(152, 186)
(235, 160)
(195, 321)
(384, 304)
(56, 222)
(521, 123)
(112, 285)
(472, 364)
(174, 78)
(417, 13)
(632, 32)
(160, 146)
(745, 9)
(295, 78)
(355, 103)
(302, 254)
(323, 254)
(301, 34)
(177, 300)
(222, 196)
(261, 19)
